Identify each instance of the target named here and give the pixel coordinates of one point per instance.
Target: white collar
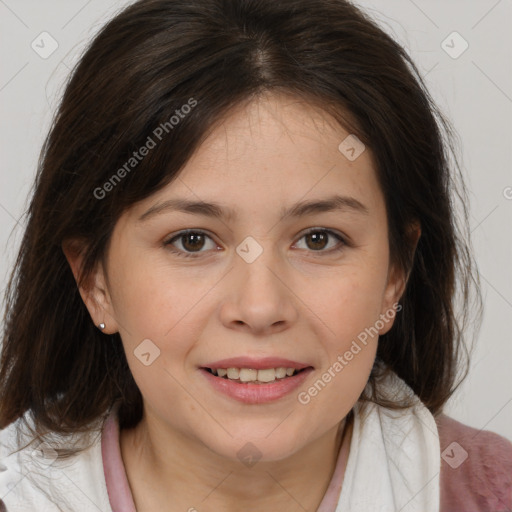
(394, 460)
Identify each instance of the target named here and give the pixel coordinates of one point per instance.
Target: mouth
(255, 381)
(254, 376)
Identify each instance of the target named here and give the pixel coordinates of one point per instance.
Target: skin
(298, 300)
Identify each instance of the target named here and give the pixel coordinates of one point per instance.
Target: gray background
(474, 90)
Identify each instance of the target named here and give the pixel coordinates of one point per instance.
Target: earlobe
(398, 278)
(93, 290)
(402, 275)
(394, 290)
(414, 234)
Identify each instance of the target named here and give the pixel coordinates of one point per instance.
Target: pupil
(316, 237)
(198, 238)
(194, 241)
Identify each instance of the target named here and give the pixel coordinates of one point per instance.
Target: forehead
(273, 126)
(274, 149)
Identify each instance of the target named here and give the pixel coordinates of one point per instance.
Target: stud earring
(102, 326)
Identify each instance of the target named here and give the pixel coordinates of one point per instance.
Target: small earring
(102, 326)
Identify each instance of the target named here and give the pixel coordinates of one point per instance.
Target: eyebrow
(215, 210)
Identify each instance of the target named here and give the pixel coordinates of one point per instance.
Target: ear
(397, 281)
(94, 291)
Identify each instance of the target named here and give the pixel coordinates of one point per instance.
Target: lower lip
(256, 393)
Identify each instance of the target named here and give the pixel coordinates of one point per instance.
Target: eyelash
(183, 254)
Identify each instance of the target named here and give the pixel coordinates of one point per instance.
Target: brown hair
(142, 67)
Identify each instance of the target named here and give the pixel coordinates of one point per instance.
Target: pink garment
(118, 488)
(482, 482)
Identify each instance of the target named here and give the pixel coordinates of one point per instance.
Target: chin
(252, 447)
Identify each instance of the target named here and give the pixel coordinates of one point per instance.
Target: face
(254, 283)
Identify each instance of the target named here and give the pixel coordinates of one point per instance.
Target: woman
(236, 285)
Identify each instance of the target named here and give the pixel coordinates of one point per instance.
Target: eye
(192, 241)
(317, 239)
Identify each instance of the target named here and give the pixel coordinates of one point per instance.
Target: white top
(33, 480)
(393, 464)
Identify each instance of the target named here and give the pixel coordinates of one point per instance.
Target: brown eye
(191, 243)
(317, 240)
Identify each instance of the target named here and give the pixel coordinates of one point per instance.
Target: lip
(256, 393)
(255, 363)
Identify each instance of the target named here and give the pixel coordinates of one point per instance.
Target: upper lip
(256, 364)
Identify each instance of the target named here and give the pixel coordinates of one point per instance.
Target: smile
(262, 376)
(252, 386)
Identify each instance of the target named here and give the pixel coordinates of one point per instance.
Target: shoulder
(476, 468)
(16, 493)
(35, 476)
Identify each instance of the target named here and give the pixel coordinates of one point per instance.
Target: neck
(169, 467)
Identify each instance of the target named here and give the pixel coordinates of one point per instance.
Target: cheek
(160, 306)
(155, 300)
(350, 303)
(352, 308)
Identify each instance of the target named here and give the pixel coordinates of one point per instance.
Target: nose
(259, 297)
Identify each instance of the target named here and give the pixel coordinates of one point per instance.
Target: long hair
(149, 61)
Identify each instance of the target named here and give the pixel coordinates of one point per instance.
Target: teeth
(248, 375)
(267, 375)
(233, 373)
(281, 373)
(252, 375)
